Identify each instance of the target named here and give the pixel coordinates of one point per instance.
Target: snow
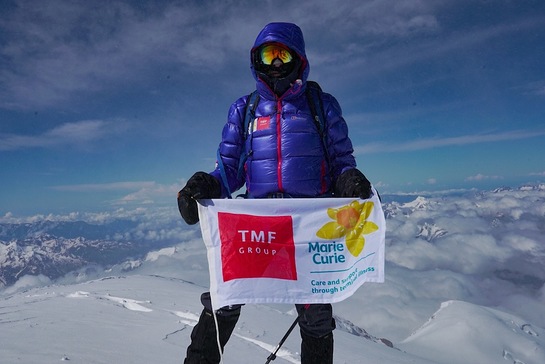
(152, 256)
(148, 319)
(468, 329)
(464, 284)
(102, 321)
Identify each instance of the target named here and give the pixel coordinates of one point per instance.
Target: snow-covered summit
(420, 203)
(470, 333)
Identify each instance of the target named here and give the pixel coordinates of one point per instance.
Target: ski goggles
(271, 52)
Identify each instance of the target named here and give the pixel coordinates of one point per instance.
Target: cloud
(434, 43)
(491, 233)
(423, 144)
(114, 186)
(533, 88)
(149, 194)
(141, 192)
(385, 18)
(56, 51)
(482, 177)
(74, 134)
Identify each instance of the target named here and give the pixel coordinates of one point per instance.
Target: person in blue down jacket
(283, 156)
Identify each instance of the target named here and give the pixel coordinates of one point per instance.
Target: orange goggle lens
(270, 52)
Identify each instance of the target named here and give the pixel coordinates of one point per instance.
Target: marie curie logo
(256, 246)
(351, 222)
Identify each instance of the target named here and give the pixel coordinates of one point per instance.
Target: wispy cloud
(131, 192)
(380, 54)
(56, 50)
(482, 177)
(150, 194)
(533, 88)
(76, 133)
(384, 18)
(431, 143)
(114, 186)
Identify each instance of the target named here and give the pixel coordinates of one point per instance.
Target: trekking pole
(284, 338)
(273, 354)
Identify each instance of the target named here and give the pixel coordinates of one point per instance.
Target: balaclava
(280, 73)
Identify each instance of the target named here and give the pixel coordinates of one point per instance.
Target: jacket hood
(288, 34)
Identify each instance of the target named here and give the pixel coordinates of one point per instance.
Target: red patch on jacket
(262, 123)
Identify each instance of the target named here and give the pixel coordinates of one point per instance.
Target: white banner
(292, 250)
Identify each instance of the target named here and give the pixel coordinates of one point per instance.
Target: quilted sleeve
(338, 143)
(230, 149)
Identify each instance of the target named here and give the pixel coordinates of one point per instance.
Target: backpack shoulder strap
(249, 115)
(314, 98)
(249, 111)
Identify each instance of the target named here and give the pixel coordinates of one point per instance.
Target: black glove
(201, 185)
(352, 183)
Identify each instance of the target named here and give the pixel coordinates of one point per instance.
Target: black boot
(204, 344)
(317, 350)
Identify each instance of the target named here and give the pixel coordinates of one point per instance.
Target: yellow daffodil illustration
(350, 221)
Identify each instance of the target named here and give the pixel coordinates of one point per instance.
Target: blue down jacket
(285, 152)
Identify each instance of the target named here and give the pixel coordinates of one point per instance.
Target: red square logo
(263, 123)
(256, 246)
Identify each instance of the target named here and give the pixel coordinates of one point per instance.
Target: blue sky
(107, 105)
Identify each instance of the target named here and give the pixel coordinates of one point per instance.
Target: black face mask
(277, 69)
(279, 76)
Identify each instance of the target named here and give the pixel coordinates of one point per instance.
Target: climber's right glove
(200, 186)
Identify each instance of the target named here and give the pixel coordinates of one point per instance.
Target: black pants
(316, 324)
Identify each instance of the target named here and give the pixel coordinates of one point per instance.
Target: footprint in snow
(527, 328)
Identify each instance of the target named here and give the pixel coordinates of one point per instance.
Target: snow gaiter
(317, 324)
(316, 350)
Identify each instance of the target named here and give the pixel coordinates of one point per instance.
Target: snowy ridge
(483, 333)
(54, 257)
(430, 232)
